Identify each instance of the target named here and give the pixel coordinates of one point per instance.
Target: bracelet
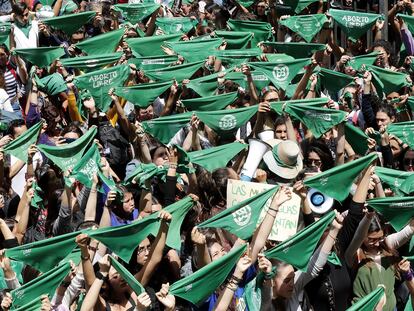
(235, 279)
(173, 165)
(101, 277)
(270, 275)
(273, 215)
(332, 237)
(273, 209)
(234, 288)
(85, 257)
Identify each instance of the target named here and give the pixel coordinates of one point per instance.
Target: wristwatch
(102, 277)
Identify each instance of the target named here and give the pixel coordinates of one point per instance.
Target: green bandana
(4, 34)
(164, 128)
(40, 56)
(334, 80)
(109, 183)
(143, 172)
(242, 218)
(127, 276)
(394, 179)
(260, 80)
(237, 57)
(89, 165)
(245, 3)
(369, 302)
(179, 72)
(17, 267)
(66, 156)
(175, 25)
(74, 256)
(299, 5)
(392, 81)
(102, 44)
(99, 82)
(207, 85)
(262, 31)
(408, 20)
(199, 285)
(352, 23)
(311, 102)
(42, 255)
(235, 39)
(92, 62)
(404, 131)
(216, 102)
(356, 138)
(410, 102)
(398, 211)
(334, 259)
(253, 295)
(18, 147)
(34, 305)
(150, 46)
(344, 175)
(226, 122)
(318, 120)
(307, 26)
(52, 84)
(67, 6)
(195, 50)
(136, 12)
(69, 24)
(178, 211)
(408, 185)
(115, 237)
(216, 157)
(153, 62)
(356, 62)
(409, 305)
(298, 249)
(143, 95)
(296, 49)
(44, 284)
(281, 73)
(37, 200)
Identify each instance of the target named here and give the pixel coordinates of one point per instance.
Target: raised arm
(90, 211)
(157, 248)
(83, 240)
(93, 301)
(23, 209)
(226, 296)
(262, 232)
(202, 256)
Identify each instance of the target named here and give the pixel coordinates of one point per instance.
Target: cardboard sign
(286, 222)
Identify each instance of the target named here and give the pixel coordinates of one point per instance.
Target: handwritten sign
(286, 222)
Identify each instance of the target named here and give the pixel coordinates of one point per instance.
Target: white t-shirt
(19, 180)
(5, 101)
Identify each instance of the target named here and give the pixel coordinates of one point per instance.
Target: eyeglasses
(144, 249)
(313, 162)
(375, 240)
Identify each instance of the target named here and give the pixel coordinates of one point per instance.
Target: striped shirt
(11, 84)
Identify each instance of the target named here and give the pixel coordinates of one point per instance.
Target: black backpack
(115, 147)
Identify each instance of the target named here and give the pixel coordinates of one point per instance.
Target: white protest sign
(286, 222)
